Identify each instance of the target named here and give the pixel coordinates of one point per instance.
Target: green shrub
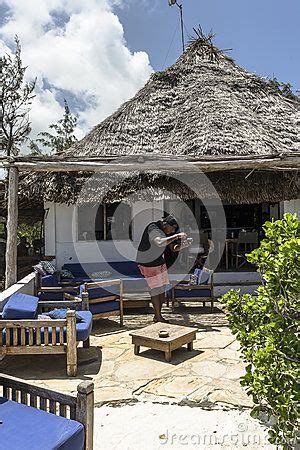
(267, 327)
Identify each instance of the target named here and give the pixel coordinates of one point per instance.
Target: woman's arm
(163, 242)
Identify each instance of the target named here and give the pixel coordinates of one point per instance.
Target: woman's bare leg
(156, 302)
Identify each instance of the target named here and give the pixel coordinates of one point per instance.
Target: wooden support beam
(140, 164)
(12, 225)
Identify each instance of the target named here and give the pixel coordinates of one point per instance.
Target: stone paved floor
(207, 377)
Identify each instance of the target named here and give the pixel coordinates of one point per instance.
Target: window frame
(104, 218)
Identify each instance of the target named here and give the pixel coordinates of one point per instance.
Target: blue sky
(264, 34)
(99, 53)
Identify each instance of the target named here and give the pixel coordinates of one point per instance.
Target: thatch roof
(235, 186)
(204, 105)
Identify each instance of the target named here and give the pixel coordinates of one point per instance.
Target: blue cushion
(203, 277)
(55, 296)
(193, 293)
(21, 306)
(117, 269)
(27, 428)
(61, 314)
(100, 292)
(97, 308)
(79, 280)
(83, 330)
(50, 280)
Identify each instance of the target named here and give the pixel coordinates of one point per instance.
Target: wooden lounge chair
(21, 333)
(34, 417)
(200, 292)
(105, 298)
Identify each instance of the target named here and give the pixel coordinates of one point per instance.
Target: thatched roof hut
(203, 106)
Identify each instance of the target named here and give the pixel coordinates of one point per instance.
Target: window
(104, 222)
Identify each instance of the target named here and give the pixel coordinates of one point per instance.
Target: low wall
(25, 286)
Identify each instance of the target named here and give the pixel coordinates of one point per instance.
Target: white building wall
(61, 235)
(292, 206)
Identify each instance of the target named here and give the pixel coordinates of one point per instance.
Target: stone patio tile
(111, 352)
(141, 368)
(68, 385)
(173, 387)
(227, 353)
(203, 354)
(235, 345)
(106, 382)
(221, 391)
(224, 330)
(235, 371)
(119, 338)
(112, 394)
(183, 370)
(229, 397)
(106, 369)
(216, 340)
(207, 368)
(233, 391)
(200, 395)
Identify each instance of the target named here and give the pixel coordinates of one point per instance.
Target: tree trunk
(12, 225)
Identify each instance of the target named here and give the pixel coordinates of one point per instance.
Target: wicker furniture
(21, 395)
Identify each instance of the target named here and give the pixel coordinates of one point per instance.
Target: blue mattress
(27, 428)
(103, 307)
(20, 306)
(192, 293)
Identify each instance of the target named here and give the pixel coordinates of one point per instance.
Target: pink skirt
(156, 276)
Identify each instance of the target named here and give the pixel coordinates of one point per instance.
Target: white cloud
(77, 48)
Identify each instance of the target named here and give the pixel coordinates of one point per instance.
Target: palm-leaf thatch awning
(203, 108)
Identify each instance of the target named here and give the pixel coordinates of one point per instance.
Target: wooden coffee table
(149, 337)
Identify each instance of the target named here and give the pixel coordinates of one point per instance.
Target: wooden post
(85, 307)
(173, 298)
(37, 283)
(71, 344)
(85, 301)
(12, 225)
(85, 411)
(121, 303)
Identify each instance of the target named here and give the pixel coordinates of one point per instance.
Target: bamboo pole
(12, 225)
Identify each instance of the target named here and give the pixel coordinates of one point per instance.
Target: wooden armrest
(182, 282)
(193, 287)
(96, 284)
(32, 323)
(59, 289)
(71, 297)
